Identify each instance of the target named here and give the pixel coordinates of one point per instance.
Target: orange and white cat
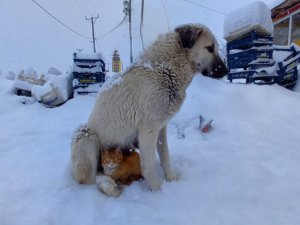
(123, 167)
(119, 168)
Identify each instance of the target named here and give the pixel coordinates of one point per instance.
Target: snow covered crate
(251, 58)
(251, 55)
(88, 72)
(287, 68)
(248, 53)
(253, 39)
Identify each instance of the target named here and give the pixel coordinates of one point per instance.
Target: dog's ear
(188, 35)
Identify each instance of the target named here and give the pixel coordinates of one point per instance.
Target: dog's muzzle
(218, 69)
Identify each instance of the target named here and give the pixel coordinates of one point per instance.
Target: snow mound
(255, 16)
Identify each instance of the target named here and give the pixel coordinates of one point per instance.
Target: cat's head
(111, 158)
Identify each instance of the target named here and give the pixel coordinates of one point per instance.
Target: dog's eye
(211, 48)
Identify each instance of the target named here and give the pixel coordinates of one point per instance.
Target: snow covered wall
(255, 16)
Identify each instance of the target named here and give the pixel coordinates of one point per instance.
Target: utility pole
(130, 32)
(93, 20)
(141, 24)
(127, 12)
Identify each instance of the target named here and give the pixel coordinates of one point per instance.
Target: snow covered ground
(245, 171)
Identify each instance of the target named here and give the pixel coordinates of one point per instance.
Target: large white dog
(138, 108)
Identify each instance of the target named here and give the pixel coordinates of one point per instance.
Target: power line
(99, 47)
(205, 7)
(113, 29)
(69, 28)
(166, 13)
(84, 12)
(97, 43)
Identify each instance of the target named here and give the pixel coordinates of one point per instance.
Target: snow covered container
(56, 91)
(50, 90)
(24, 82)
(88, 72)
(255, 16)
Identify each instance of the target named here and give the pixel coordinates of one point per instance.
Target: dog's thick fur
(138, 108)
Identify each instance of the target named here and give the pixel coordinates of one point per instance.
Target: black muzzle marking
(219, 68)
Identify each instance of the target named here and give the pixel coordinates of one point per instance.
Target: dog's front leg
(147, 143)
(163, 152)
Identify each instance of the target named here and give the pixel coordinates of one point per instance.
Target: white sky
(29, 37)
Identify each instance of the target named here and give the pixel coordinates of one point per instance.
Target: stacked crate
(247, 54)
(251, 58)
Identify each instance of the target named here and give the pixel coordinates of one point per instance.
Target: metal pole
(130, 32)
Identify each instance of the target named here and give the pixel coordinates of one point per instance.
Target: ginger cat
(123, 168)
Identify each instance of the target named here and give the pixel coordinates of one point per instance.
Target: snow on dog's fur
(138, 108)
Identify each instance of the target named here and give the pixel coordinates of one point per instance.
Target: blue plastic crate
(249, 41)
(289, 85)
(264, 78)
(291, 75)
(246, 74)
(289, 64)
(290, 81)
(252, 58)
(288, 77)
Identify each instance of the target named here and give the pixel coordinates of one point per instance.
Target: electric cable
(205, 7)
(69, 28)
(113, 29)
(166, 13)
(83, 11)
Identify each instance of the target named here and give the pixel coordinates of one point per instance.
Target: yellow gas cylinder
(297, 41)
(116, 62)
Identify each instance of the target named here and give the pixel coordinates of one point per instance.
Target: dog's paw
(172, 176)
(108, 186)
(155, 185)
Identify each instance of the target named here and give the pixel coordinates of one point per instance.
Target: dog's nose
(219, 69)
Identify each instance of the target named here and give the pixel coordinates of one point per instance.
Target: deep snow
(245, 171)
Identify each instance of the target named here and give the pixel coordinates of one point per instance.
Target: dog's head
(202, 50)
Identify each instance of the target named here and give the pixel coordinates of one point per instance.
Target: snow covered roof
(285, 8)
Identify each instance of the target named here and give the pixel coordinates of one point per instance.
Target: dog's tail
(84, 155)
